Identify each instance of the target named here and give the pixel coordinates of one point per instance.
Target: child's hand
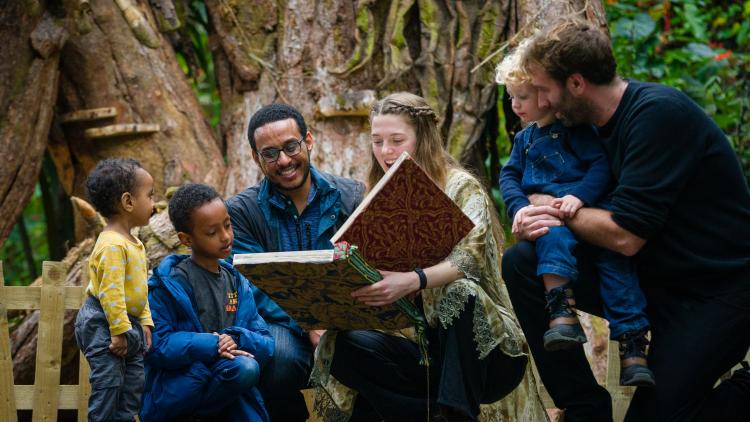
(119, 345)
(568, 205)
(228, 348)
(147, 336)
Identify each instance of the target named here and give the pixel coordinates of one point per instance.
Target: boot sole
(554, 342)
(639, 380)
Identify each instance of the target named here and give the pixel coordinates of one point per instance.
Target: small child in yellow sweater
(113, 327)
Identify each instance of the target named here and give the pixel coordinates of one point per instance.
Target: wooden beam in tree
(88, 115)
(128, 129)
(347, 103)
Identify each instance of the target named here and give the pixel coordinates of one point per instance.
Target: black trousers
(385, 371)
(695, 339)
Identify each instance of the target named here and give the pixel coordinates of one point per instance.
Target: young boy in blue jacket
(209, 342)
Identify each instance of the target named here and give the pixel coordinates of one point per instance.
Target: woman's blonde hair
(430, 153)
(511, 71)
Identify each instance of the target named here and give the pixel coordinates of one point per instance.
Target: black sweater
(681, 187)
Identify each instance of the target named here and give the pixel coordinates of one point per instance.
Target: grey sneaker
(563, 337)
(633, 345)
(637, 376)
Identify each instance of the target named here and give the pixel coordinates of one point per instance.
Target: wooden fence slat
(29, 297)
(49, 342)
(65, 395)
(7, 400)
(84, 387)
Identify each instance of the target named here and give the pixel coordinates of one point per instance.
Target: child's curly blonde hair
(511, 70)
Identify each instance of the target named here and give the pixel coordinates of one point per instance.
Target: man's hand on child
(568, 205)
(533, 221)
(147, 336)
(119, 345)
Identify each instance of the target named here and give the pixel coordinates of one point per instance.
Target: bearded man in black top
(681, 207)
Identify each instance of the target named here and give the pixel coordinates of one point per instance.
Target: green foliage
(700, 47)
(15, 267)
(195, 59)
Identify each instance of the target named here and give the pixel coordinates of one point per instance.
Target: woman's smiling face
(391, 135)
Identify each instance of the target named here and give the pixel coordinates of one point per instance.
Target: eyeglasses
(291, 148)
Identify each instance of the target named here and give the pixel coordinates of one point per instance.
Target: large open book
(406, 221)
(314, 288)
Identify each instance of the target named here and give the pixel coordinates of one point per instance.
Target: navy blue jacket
(256, 228)
(181, 349)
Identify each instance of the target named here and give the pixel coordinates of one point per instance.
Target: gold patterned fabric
(494, 323)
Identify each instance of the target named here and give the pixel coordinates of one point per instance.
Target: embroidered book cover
(406, 221)
(314, 288)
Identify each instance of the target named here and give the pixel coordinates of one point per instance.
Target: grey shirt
(215, 295)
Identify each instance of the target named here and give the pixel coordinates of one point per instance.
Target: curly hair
(573, 46)
(511, 70)
(274, 113)
(186, 200)
(108, 181)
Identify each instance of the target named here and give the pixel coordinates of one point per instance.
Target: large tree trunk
(135, 72)
(333, 59)
(28, 86)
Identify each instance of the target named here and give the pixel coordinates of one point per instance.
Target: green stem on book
(404, 305)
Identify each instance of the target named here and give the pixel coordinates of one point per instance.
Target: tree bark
(133, 69)
(28, 87)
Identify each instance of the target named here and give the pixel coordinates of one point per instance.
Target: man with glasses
(295, 207)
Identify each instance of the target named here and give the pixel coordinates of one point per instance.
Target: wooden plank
(88, 115)
(84, 390)
(29, 297)
(620, 395)
(49, 343)
(7, 400)
(127, 129)
(67, 397)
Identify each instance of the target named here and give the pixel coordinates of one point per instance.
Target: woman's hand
(391, 288)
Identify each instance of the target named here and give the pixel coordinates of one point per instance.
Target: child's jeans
(624, 302)
(116, 383)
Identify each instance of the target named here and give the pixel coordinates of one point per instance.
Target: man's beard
(573, 111)
(298, 185)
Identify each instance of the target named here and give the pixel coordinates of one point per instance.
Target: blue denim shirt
(257, 226)
(558, 161)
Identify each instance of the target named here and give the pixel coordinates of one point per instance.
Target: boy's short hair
(274, 113)
(511, 70)
(108, 181)
(185, 200)
(573, 46)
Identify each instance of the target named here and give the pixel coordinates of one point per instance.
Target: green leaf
(700, 50)
(636, 29)
(694, 21)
